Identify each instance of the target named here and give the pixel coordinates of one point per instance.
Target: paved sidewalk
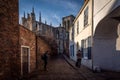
(90, 75)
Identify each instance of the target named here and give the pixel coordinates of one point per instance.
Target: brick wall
(9, 39)
(53, 44)
(12, 36)
(37, 46)
(28, 38)
(42, 47)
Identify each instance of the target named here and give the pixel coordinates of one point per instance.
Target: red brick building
(32, 47)
(28, 50)
(9, 39)
(20, 49)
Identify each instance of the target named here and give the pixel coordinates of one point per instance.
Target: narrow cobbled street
(58, 69)
(62, 68)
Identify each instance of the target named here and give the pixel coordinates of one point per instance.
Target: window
(65, 24)
(72, 33)
(86, 48)
(72, 50)
(89, 41)
(89, 47)
(68, 22)
(85, 52)
(77, 27)
(86, 16)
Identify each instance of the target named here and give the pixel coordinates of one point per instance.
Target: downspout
(92, 33)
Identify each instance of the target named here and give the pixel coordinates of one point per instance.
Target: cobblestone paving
(61, 68)
(90, 75)
(58, 69)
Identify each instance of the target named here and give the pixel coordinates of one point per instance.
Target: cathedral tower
(33, 15)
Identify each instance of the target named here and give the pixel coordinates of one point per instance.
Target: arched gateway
(106, 42)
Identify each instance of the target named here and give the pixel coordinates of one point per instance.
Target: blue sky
(51, 10)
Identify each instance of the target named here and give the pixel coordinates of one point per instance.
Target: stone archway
(106, 40)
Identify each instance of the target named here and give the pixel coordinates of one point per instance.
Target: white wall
(105, 54)
(103, 8)
(106, 43)
(84, 31)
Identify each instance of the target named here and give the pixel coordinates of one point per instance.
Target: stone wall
(9, 39)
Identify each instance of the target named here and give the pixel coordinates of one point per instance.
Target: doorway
(25, 60)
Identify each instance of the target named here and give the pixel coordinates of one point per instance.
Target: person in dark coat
(79, 57)
(45, 59)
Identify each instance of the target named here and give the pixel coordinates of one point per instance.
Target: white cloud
(56, 17)
(71, 5)
(68, 4)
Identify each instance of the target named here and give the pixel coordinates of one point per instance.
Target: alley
(62, 68)
(58, 69)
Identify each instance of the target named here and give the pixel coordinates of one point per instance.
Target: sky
(52, 11)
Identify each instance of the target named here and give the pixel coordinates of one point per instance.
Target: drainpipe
(92, 33)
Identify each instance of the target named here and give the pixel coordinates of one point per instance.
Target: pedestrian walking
(45, 59)
(79, 57)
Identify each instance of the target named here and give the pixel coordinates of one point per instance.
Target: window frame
(86, 16)
(78, 27)
(86, 46)
(22, 46)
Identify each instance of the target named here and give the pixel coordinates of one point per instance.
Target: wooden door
(25, 60)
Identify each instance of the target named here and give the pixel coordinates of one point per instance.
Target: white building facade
(83, 33)
(106, 38)
(97, 34)
(71, 43)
